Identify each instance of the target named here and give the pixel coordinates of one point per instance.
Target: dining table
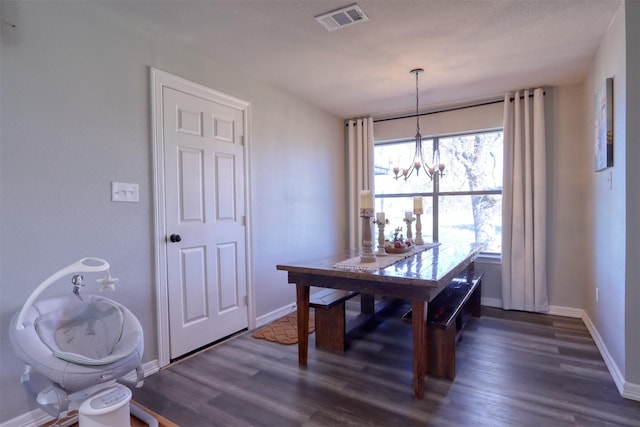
(416, 276)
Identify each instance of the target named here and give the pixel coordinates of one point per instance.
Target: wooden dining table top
(418, 276)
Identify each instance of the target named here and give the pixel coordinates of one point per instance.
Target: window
(464, 205)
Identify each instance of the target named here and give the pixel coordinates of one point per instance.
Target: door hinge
(246, 300)
(244, 220)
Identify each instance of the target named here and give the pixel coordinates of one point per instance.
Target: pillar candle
(408, 215)
(417, 203)
(380, 217)
(366, 199)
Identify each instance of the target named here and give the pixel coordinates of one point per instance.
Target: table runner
(383, 261)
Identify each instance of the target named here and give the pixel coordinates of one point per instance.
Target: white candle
(417, 202)
(408, 215)
(366, 199)
(380, 217)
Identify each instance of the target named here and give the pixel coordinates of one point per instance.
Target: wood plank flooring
(513, 369)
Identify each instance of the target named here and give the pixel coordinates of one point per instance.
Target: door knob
(175, 238)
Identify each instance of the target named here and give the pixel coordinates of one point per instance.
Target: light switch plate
(124, 192)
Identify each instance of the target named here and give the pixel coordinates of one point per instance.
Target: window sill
(489, 258)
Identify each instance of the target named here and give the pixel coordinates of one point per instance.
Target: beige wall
(605, 207)
(568, 163)
(441, 123)
(613, 222)
(632, 296)
(75, 114)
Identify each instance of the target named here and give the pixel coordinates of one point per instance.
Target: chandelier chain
(417, 116)
(431, 169)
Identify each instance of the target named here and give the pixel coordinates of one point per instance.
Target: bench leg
(330, 327)
(442, 352)
(367, 304)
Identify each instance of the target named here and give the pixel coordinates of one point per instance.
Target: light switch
(124, 192)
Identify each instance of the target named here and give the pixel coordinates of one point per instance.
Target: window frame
(436, 193)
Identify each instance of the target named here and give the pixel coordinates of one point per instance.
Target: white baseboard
(491, 302)
(149, 368)
(631, 391)
(33, 418)
(276, 314)
(615, 372)
(38, 417)
(557, 310)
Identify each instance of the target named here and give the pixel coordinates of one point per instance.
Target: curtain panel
(360, 172)
(524, 218)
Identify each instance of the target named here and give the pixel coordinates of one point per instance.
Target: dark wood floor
(513, 369)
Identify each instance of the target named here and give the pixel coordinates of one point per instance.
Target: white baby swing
(83, 346)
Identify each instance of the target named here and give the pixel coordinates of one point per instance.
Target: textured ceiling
(470, 49)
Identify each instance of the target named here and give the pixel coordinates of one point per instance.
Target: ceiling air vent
(341, 18)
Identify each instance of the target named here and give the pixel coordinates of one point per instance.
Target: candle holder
(418, 213)
(409, 221)
(367, 252)
(381, 224)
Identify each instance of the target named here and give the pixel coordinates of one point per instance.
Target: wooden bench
(330, 321)
(448, 314)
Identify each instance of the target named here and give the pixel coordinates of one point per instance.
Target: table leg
(302, 301)
(419, 322)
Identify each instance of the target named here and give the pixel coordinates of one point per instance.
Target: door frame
(159, 80)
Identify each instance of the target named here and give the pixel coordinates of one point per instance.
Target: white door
(205, 214)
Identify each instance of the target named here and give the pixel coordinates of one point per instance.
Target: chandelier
(436, 167)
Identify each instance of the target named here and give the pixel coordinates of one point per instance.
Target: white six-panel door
(204, 215)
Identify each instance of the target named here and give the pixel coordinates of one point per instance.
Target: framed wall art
(603, 123)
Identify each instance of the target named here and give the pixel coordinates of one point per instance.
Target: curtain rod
(482, 104)
(530, 96)
(440, 111)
